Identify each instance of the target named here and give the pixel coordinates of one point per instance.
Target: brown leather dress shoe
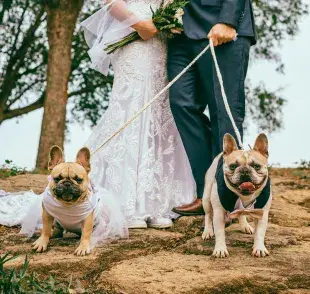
(194, 208)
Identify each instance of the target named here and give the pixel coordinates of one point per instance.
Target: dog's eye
(78, 180)
(233, 166)
(57, 179)
(257, 166)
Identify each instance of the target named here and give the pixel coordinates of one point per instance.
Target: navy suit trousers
(196, 101)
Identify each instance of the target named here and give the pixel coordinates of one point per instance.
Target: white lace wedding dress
(144, 171)
(145, 166)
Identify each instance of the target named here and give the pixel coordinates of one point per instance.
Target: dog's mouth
(246, 188)
(67, 197)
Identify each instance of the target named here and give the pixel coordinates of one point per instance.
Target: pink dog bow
(249, 210)
(255, 213)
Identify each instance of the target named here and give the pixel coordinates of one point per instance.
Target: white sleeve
(119, 11)
(108, 25)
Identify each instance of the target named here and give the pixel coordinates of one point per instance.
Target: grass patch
(297, 173)
(303, 164)
(21, 281)
(189, 226)
(242, 244)
(197, 251)
(8, 169)
(294, 185)
(298, 282)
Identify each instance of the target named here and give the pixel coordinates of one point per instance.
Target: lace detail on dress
(145, 166)
(143, 10)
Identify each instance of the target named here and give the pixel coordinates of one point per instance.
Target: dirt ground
(178, 260)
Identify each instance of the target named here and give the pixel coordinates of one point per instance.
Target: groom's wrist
(137, 25)
(228, 24)
(141, 25)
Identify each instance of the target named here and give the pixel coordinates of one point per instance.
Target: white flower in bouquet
(179, 14)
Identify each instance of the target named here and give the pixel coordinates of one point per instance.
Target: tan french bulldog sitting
(237, 184)
(68, 202)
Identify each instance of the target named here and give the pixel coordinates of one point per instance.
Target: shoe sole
(159, 226)
(138, 227)
(188, 213)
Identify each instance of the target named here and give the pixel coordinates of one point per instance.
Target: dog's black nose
(244, 171)
(67, 183)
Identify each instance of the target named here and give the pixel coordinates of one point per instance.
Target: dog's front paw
(220, 252)
(260, 251)
(207, 234)
(247, 228)
(40, 245)
(83, 249)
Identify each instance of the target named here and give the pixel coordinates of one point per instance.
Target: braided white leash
(220, 78)
(147, 105)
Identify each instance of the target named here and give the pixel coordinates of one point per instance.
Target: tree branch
(87, 90)
(24, 110)
(16, 60)
(30, 70)
(6, 5)
(22, 92)
(19, 26)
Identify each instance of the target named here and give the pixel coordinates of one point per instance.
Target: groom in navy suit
(198, 89)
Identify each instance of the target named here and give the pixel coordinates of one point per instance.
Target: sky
(19, 138)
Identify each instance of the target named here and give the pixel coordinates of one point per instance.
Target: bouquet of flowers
(167, 19)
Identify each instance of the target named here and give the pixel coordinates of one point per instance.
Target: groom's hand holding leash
(146, 29)
(222, 33)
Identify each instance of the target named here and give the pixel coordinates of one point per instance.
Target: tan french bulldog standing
(237, 184)
(66, 201)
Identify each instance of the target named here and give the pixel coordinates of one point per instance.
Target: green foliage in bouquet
(167, 19)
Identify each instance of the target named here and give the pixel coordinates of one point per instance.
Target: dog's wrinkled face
(245, 171)
(69, 183)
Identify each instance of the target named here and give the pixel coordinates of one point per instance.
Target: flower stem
(123, 42)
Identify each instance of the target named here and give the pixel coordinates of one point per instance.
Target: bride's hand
(146, 29)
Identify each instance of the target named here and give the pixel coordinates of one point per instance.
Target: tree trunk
(61, 20)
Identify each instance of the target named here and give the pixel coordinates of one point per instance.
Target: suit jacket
(201, 15)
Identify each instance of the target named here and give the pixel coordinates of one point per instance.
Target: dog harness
(232, 203)
(70, 217)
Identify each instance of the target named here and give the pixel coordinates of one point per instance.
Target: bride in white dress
(144, 170)
(145, 166)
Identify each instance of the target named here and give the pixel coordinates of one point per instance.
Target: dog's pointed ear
(56, 157)
(83, 158)
(261, 145)
(229, 144)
